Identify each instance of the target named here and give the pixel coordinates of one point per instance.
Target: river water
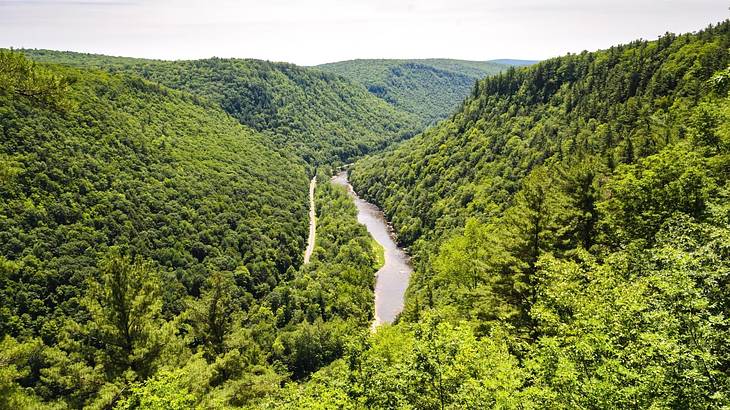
(392, 278)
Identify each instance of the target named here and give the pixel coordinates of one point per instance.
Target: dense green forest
(151, 245)
(569, 226)
(322, 117)
(571, 233)
(106, 160)
(430, 89)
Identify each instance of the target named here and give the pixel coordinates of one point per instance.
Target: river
(392, 278)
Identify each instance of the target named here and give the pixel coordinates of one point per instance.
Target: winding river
(392, 278)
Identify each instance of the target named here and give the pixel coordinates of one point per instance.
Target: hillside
(115, 161)
(321, 117)
(431, 89)
(570, 226)
(615, 106)
(148, 240)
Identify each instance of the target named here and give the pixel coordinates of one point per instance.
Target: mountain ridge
(427, 88)
(323, 117)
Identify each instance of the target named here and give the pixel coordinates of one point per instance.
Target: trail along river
(312, 222)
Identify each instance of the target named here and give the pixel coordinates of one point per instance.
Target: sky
(309, 32)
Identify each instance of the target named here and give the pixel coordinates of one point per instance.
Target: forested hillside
(94, 160)
(321, 117)
(148, 239)
(611, 107)
(431, 89)
(571, 232)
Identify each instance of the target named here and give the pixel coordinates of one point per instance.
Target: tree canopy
(430, 89)
(321, 117)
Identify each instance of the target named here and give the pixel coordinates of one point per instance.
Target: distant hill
(512, 62)
(322, 117)
(428, 88)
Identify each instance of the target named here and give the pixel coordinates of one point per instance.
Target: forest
(568, 222)
(149, 239)
(430, 89)
(321, 117)
(570, 232)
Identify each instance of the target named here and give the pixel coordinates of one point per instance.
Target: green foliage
(644, 196)
(16, 362)
(330, 299)
(21, 78)
(321, 117)
(616, 105)
(118, 298)
(431, 365)
(125, 308)
(165, 391)
(146, 169)
(576, 211)
(644, 329)
(430, 89)
(213, 314)
(118, 210)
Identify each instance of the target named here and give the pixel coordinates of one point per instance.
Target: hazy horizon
(326, 31)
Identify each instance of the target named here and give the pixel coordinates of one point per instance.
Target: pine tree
(212, 315)
(537, 223)
(125, 308)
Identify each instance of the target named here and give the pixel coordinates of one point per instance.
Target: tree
(125, 304)
(212, 314)
(15, 365)
(582, 189)
(22, 78)
(165, 391)
(537, 223)
(704, 124)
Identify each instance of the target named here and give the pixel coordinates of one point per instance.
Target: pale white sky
(317, 31)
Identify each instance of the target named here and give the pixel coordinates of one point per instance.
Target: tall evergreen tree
(125, 307)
